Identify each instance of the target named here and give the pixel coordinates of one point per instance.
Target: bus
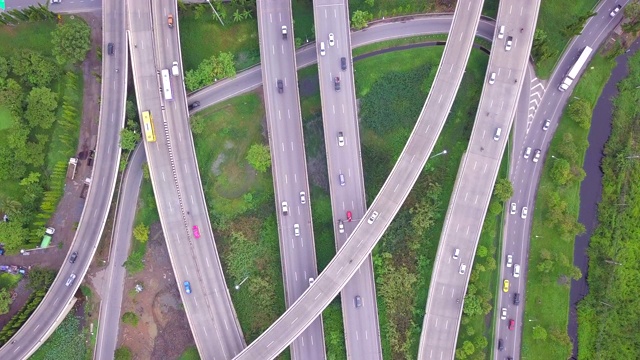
(149, 131)
(166, 84)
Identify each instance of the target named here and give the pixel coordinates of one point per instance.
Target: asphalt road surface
(113, 281)
(176, 182)
(289, 166)
(60, 297)
(476, 177)
(525, 176)
(342, 143)
(383, 209)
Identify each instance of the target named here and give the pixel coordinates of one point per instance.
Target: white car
(524, 212)
(340, 139)
(503, 315)
(527, 152)
(507, 47)
(615, 10)
(546, 125)
(285, 208)
(536, 155)
(513, 208)
(311, 280)
(296, 229)
(303, 197)
(373, 217)
(463, 269)
(340, 227)
(175, 71)
(509, 260)
(331, 40)
(456, 254)
(492, 78)
(516, 271)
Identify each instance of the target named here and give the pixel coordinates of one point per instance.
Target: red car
(512, 324)
(196, 232)
(349, 216)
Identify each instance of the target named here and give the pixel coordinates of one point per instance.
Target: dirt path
(163, 331)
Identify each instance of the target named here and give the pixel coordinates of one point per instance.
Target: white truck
(575, 69)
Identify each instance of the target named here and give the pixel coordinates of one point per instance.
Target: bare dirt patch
(163, 331)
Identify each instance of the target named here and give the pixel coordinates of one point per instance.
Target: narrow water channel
(591, 187)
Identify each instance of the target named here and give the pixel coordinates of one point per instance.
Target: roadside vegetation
(608, 314)
(39, 282)
(40, 101)
(236, 177)
(555, 222)
(66, 342)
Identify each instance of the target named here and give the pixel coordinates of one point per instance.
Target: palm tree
(237, 17)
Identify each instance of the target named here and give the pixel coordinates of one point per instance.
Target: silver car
(70, 279)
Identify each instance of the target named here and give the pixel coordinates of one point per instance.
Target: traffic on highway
(145, 38)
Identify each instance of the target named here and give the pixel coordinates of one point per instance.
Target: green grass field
(547, 303)
(66, 342)
(240, 39)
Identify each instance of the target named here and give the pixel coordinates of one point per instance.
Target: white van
(322, 52)
(496, 137)
(501, 32)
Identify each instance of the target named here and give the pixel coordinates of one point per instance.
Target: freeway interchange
(151, 42)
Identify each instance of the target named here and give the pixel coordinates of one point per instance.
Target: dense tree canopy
(71, 42)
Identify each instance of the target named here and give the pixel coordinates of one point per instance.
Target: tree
(424, 214)
(539, 333)
(561, 172)
(5, 301)
(237, 17)
(41, 104)
(503, 189)
(40, 278)
(129, 139)
(141, 233)
(130, 318)
(122, 353)
(482, 251)
(481, 342)
(13, 235)
(540, 49)
(468, 347)
(575, 273)
(575, 28)
(4, 70)
(259, 157)
(360, 18)
(580, 111)
(32, 67)
(71, 42)
(545, 266)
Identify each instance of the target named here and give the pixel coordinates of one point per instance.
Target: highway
(113, 281)
(60, 298)
(251, 78)
(342, 144)
(288, 164)
(154, 46)
(525, 176)
(391, 197)
(244, 82)
(476, 178)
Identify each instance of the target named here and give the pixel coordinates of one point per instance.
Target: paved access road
(393, 193)
(476, 177)
(289, 166)
(342, 143)
(113, 281)
(525, 176)
(60, 297)
(176, 182)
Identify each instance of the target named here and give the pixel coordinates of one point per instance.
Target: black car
(110, 49)
(194, 105)
(73, 257)
(500, 345)
(336, 83)
(516, 299)
(343, 63)
(280, 86)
